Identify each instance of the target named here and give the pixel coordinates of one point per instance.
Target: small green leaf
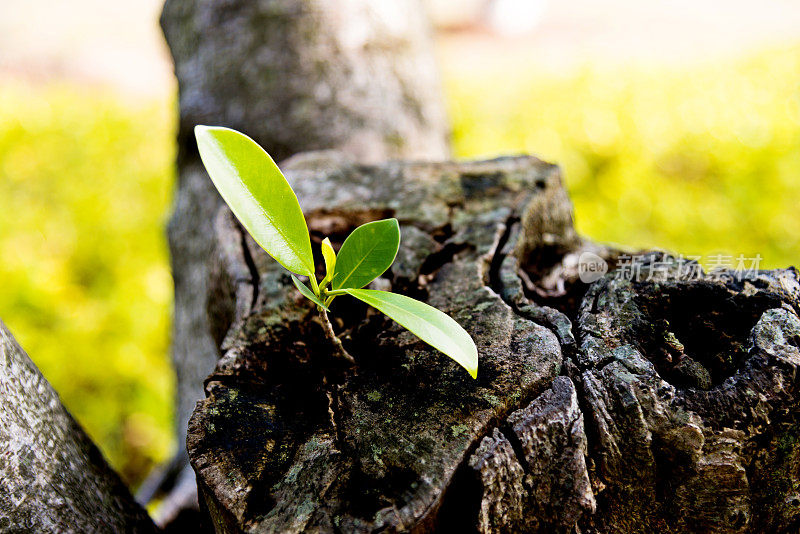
(308, 293)
(429, 324)
(330, 260)
(366, 254)
(258, 194)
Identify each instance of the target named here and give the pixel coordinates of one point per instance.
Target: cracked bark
(637, 406)
(692, 386)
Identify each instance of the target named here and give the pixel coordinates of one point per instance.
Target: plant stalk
(314, 286)
(333, 338)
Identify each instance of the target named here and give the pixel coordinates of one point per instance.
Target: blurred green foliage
(699, 161)
(85, 181)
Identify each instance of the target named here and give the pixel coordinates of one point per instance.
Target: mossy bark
(618, 406)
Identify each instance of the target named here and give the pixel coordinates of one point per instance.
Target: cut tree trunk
(632, 404)
(52, 477)
(295, 75)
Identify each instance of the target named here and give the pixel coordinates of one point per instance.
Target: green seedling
(265, 204)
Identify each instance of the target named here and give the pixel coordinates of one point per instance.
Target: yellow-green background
(700, 160)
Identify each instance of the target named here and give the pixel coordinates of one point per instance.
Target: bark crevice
(251, 267)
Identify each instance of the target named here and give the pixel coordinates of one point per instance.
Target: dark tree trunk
(295, 75)
(625, 405)
(52, 477)
(692, 390)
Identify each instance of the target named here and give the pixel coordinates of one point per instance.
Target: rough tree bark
(626, 405)
(52, 477)
(295, 75)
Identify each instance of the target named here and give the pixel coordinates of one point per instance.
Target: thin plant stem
(333, 338)
(314, 286)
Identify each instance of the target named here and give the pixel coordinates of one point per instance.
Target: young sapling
(264, 202)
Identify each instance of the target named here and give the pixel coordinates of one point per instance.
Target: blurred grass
(700, 161)
(85, 181)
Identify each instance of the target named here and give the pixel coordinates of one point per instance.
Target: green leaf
(366, 254)
(258, 195)
(330, 260)
(308, 293)
(429, 324)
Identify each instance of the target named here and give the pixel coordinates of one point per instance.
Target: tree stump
(625, 405)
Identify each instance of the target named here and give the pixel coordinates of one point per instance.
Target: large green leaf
(307, 293)
(431, 325)
(258, 195)
(366, 254)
